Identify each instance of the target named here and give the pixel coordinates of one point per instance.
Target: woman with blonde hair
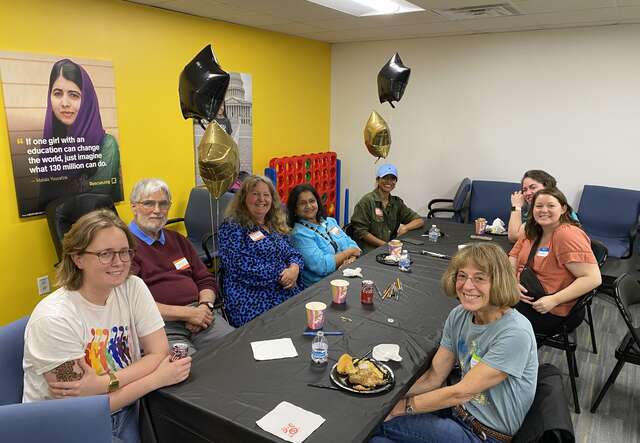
(86, 337)
(260, 266)
(496, 350)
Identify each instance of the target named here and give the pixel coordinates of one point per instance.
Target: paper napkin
(290, 422)
(273, 349)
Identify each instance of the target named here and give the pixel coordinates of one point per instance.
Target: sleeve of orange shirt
(572, 245)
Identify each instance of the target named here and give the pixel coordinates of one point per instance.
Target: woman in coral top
(563, 262)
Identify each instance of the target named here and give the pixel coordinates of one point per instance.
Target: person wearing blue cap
(379, 216)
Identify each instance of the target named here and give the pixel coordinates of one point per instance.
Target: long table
(228, 391)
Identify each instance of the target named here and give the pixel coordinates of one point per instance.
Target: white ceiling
(305, 19)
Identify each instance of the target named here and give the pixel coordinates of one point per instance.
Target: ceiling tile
(301, 10)
(258, 5)
(202, 8)
(503, 23)
(293, 28)
(629, 14)
(445, 4)
(594, 16)
(378, 21)
(539, 6)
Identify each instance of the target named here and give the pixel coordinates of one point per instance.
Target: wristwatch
(208, 303)
(114, 383)
(513, 208)
(408, 407)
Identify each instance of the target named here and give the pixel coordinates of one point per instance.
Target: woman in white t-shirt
(86, 337)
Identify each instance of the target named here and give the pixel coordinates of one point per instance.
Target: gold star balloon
(377, 136)
(218, 160)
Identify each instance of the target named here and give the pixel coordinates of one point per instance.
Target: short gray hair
(148, 186)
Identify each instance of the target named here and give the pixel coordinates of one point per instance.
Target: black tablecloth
(228, 390)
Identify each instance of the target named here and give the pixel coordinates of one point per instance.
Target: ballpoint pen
(436, 254)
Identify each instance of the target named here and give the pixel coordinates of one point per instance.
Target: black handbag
(528, 277)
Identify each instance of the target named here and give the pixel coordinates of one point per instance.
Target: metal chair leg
(610, 381)
(593, 332)
(572, 378)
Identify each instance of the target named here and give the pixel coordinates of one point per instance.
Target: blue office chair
(611, 216)
(455, 205)
(73, 420)
(491, 200)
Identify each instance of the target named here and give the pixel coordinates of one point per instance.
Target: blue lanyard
(326, 236)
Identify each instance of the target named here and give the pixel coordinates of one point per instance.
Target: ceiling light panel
(365, 8)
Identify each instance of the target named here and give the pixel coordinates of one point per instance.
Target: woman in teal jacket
(323, 245)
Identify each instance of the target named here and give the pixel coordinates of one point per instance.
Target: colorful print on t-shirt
(468, 357)
(108, 350)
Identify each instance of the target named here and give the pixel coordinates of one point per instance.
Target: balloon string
(213, 232)
(391, 103)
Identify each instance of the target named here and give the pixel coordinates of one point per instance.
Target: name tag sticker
(335, 230)
(543, 252)
(475, 359)
(181, 263)
(256, 235)
(378, 212)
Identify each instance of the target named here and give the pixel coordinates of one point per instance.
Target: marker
(314, 333)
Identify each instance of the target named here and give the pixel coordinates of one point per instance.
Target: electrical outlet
(43, 285)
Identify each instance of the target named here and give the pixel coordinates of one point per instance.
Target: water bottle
(404, 264)
(319, 348)
(434, 233)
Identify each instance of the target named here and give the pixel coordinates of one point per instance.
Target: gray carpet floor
(618, 416)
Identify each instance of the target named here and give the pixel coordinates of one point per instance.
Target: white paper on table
(273, 349)
(290, 422)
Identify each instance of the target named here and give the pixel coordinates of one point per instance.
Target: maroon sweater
(171, 286)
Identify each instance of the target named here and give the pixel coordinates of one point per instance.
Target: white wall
(491, 106)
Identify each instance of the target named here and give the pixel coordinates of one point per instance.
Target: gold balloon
(377, 136)
(218, 160)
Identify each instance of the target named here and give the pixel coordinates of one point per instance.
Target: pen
(314, 333)
(436, 254)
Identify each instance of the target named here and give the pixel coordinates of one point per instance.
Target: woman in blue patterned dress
(260, 267)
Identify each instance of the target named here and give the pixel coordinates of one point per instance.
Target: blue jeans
(437, 427)
(124, 425)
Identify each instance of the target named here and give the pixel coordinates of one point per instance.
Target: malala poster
(62, 125)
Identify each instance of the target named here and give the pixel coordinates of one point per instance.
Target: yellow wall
(148, 48)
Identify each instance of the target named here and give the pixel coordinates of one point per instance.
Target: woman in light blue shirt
(323, 245)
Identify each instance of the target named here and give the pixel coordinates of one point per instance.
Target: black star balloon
(203, 84)
(392, 80)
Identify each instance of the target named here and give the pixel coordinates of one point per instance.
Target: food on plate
(364, 375)
(392, 259)
(345, 365)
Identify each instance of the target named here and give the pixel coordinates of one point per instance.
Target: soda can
(367, 291)
(178, 351)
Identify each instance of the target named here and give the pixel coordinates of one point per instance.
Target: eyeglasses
(106, 257)
(150, 205)
(477, 280)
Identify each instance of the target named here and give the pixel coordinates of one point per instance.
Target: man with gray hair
(181, 285)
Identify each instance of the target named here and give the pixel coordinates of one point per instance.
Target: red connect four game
(319, 170)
